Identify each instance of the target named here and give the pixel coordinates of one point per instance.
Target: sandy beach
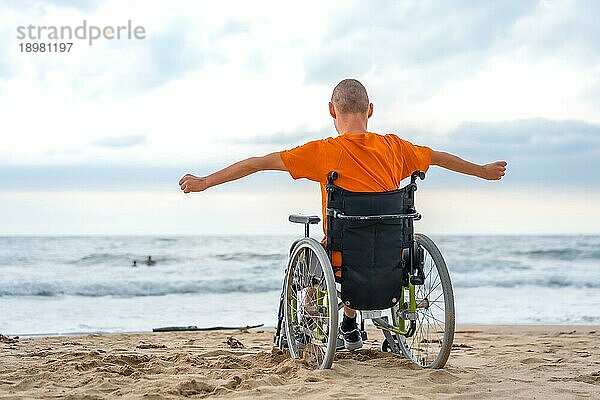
(489, 361)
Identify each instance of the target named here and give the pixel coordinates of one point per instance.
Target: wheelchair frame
(405, 311)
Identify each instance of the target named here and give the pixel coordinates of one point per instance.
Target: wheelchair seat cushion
(372, 250)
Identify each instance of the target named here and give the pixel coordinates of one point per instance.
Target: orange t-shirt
(365, 162)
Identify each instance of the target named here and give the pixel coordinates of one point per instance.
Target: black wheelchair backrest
(371, 230)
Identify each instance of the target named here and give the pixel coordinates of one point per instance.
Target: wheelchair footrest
(391, 342)
(370, 314)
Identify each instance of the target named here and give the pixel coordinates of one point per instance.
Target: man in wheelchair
(364, 162)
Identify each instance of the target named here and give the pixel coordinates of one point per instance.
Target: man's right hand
(493, 171)
(190, 183)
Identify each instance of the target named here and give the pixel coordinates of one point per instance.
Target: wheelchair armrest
(304, 219)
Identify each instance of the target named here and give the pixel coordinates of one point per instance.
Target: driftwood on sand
(8, 340)
(210, 328)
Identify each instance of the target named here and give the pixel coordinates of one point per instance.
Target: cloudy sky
(95, 140)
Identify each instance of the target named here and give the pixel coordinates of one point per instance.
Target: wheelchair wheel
(310, 305)
(431, 342)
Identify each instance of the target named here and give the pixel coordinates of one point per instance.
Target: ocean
(51, 285)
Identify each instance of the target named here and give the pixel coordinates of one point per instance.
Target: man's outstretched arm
(492, 171)
(190, 183)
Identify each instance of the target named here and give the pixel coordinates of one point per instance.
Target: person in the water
(134, 263)
(365, 161)
(150, 261)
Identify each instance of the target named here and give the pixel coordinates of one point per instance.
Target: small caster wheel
(385, 346)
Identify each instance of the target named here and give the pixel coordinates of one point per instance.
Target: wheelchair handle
(413, 179)
(415, 175)
(333, 175)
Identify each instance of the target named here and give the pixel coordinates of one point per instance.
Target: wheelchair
(373, 262)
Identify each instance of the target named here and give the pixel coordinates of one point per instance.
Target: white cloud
(120, 141)
(204, 74)
(213, 82)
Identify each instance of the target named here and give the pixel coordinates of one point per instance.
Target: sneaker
(352, 339)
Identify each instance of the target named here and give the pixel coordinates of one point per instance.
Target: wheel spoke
(434, 281)
(432, 288)
(430, 266)
(437, 298)
(435, 304)
(435, 319)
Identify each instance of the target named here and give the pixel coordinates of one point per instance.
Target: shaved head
(350, 97)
